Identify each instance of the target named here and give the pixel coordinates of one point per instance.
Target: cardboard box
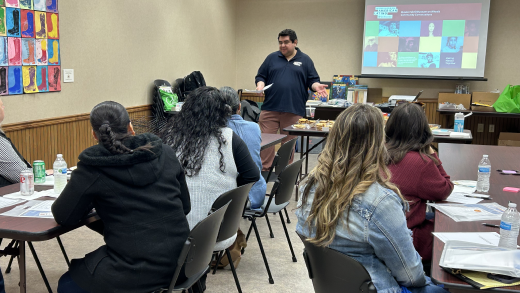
(484, 98)
(509, 139)
(464, 99)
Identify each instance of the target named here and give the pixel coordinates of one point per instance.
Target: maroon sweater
(420, 180)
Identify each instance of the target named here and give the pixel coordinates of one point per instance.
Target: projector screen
(427, 38)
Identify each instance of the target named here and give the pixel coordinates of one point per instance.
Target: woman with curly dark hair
(214, 158)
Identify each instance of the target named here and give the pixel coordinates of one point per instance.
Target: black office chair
(237, 199)
(159, 116)
(332, 271)
(281, 195)
(280, 161)
(197, 252)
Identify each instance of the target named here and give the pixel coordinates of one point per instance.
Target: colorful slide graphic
(427, 36)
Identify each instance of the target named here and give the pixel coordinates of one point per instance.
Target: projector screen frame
(461, 78)
(441, 73)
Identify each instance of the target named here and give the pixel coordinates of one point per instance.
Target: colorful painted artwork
(15, 80)
(29, 79)
(14, 50)
(53, 52)
(26, 4)
(4, 59)
(40, 5)
(3, 31)
(4, 90)
(41, 79)
(52, 6)
(27, 23)
(28, 51)
(40, 24)
(52, 26)
(12, 3)
(29, 47)
(12, 21)
(41, 52)
(54, 78)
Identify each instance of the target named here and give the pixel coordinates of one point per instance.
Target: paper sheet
(487, 238)
(7, 202)
(35, 195)
(32, 209)
(482, 278)
(259, 92)
(471, 212)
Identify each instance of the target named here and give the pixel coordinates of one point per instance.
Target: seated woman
(349, 204)
(249, 132)
(416, 171)
(138, 188)
(12, 162)
(214, 158)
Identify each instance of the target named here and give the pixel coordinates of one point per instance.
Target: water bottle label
(505, 226)
(484, 169)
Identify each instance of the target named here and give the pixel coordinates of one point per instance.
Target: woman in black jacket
(138, 189)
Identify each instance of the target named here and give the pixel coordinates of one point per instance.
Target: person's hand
(260, 86)
(320, 89)
(431, 151)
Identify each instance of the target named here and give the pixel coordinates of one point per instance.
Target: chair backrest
(237, 199)
(198, 248)
(161, 82)
(284, 185)
(284, 155)
(332, 271)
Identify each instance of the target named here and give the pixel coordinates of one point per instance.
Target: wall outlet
(480, 127)
(491, 127)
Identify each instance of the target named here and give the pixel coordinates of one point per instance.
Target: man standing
(290, 73)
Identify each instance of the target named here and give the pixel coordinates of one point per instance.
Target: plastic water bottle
(509, 226)
(484, 171)
(60, 174)
(459, 123)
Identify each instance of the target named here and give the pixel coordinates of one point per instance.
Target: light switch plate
(68, 75)
(480, 127)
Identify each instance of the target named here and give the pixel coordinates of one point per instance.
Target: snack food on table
(303, 121)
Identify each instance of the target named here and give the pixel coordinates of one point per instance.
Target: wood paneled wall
(472, 122)
(68, 135)
(434, 117)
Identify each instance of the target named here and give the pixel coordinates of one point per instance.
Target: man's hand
(260, 86)
(320, 89)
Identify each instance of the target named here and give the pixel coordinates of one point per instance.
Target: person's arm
(247, 170)
(261, 76)
(10, 163)
(392, 242)
(75, 201)
(435, 184)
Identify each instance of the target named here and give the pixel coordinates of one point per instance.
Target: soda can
(27, 182)
(39, 171)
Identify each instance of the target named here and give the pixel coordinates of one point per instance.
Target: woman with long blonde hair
(349, 204)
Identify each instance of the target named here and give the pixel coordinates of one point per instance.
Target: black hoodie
(142, 199)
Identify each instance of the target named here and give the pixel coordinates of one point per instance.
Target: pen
(491, 225)
(477, 196)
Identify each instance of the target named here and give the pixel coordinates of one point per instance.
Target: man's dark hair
(290, 33)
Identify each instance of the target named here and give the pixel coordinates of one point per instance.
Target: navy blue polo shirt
(290, 80)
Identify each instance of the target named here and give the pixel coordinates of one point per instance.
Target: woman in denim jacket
(350, 205)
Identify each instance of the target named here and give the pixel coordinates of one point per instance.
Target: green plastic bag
(169, 98)
(509, 100)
